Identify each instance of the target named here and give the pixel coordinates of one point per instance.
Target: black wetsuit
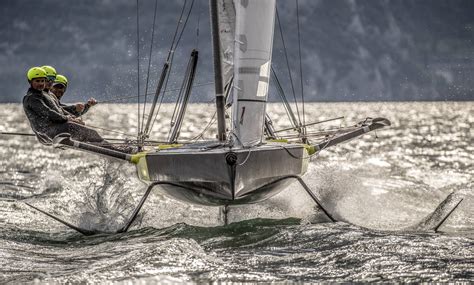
(71, 109)
(48, 118)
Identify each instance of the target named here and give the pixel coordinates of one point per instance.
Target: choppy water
(379, 186)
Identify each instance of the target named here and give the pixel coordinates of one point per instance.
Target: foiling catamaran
(248, 162)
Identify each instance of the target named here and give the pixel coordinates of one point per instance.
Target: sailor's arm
(72, 109)
(79, 109)
(86, 108)
(39, 107)
(91, 102)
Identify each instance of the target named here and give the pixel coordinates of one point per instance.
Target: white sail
(226, 12)
(253, 41)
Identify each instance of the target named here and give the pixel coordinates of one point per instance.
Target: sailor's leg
(88, 135)
(77, 132)
(57, 129)
(315, 199)
(83, 133)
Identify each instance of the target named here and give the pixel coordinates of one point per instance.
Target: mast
(219, 86)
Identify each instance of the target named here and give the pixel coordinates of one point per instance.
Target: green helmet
(50, 72)
(36, 72)
(61, 79)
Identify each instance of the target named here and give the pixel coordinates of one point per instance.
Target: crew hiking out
(47, 118)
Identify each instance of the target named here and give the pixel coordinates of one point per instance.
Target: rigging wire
(169, 60)
(164, 75)
(183, 97)
(209, 124)
(301, 66)
(173, 48)
(288, 66)
(104, 129)
(167, 91)
(180, 96)
(286, 104)
(122, 140)
(198, 24)
(172, 57)
(138, 71)
(149, 65)
(311, 124)
(165, 71)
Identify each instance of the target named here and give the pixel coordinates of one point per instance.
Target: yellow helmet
(50, 72)
(36, 72)
(61, 79)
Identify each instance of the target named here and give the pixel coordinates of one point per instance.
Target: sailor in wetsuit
(59, 88)
(50, 77)
(47, 118)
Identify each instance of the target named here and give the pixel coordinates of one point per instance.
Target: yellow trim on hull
(278, 140)
(139, 159)
(167, 146)
(310, 149)
(142, 169)
(136, 157)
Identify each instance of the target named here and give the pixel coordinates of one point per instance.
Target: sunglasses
(59, 86)
(51, 78)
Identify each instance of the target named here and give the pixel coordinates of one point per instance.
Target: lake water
(380, 185)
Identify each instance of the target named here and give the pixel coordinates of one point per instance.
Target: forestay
(246, 32)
